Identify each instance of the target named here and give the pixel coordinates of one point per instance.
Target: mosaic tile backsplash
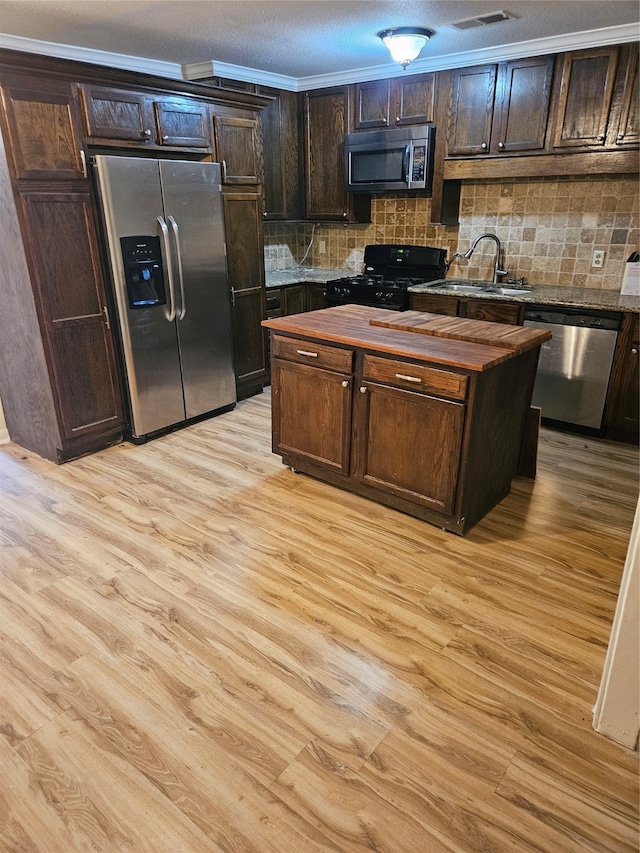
(549, 228)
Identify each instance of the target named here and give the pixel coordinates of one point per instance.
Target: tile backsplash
(549, 228)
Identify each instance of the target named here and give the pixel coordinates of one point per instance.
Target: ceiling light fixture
(405, 43)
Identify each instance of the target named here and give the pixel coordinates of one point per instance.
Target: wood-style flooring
(202, 651)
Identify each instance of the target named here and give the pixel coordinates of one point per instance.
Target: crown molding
(200, 70)
(96, 57)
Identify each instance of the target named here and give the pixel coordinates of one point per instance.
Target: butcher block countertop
(474, 345)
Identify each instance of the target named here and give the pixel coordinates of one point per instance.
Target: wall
(550, 228)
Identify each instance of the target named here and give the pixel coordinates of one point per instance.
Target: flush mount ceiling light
(405, 43)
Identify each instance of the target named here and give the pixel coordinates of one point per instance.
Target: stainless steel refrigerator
(165, 234)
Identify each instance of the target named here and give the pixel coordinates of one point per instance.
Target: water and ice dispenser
(143, 271)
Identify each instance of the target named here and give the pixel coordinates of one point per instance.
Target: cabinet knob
(600, 137)
(345, 383)
(344, 215)
(500, 144)
(634, 351)
(385, 121)
(363, 389)
(484, 145)
(264, 215)
(620, 137)
(397, 119)
(147, 133)
(164, 138)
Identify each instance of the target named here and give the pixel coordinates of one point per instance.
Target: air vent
(482, 20)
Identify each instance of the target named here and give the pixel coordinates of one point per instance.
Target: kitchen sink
(477, 287)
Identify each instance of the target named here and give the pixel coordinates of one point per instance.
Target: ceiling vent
(482, 20)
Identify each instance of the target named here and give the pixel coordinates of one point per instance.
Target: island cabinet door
(409, 444)
(311, 413)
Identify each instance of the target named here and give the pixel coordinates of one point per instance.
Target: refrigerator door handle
(176, 238)
(168, 263)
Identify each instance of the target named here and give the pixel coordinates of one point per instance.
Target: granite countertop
(280, 278)
(570, 297)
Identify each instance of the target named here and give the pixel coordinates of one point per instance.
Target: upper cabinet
(626, 131)
(326, 122)
(239, 147)
(500, 108)
(44, 128)
(280, 122)
(142, 120)
(586, 87)
(396, 102)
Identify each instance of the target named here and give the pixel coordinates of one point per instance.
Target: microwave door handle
(406, 164)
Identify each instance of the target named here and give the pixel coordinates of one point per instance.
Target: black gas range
(389, 270)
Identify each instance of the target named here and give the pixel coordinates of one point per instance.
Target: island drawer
(310, 352)
(418, 377)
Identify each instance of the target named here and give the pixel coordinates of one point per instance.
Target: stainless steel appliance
(575, 365)
(389, 270)
(395, 159)
(165, 234)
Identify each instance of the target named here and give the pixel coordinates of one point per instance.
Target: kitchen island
(421, 412)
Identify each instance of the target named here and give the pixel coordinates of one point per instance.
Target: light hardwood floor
(202, 651)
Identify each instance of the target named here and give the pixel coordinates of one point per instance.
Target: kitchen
(253, 530)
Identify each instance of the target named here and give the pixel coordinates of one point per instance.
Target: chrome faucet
(496, 267)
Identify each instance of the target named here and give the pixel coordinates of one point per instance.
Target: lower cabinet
(440, 444)
(623, 400)
(491, 310)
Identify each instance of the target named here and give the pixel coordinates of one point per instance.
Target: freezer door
(193, 208)
(131, 198)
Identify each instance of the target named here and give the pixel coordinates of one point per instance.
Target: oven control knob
(380, 295)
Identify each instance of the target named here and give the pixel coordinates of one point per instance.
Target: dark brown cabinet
(70, 325)
(585, 97)
(389, 405)
(311, 401)
(396, 102)
(491, 310)
(148, 121)
(243, 226)
(326, 122)
(624, 128)
(280, 123)
(499, 109)
(622, 412)
(239, 149)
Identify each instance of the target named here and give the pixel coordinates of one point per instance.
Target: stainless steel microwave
(400, 158)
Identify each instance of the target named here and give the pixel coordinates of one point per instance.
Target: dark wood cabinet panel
(316, 297)
(372, 104)
(295, 299)
(522, 105)
(326, 122)
(472, 110)
(625, 128)
(239, 149)
(68, 280)
(43, 128)
(585, 93)
(280, 122)
(491, 310)
(245, 266)
(182, 123)
(431, 427)
(312, 413)
(396, 102)
(622, 412)
(434, 304)
(494, 311)
(117, 114)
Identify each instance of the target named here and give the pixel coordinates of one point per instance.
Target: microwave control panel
(418, 164)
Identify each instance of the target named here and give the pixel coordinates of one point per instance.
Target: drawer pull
(306, 352)
(408, 378)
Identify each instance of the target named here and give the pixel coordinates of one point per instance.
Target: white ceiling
(302, 43)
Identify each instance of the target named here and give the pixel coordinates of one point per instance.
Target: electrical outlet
(322, 247)
(598, 259)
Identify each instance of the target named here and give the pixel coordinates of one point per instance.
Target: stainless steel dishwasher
(575, 365)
